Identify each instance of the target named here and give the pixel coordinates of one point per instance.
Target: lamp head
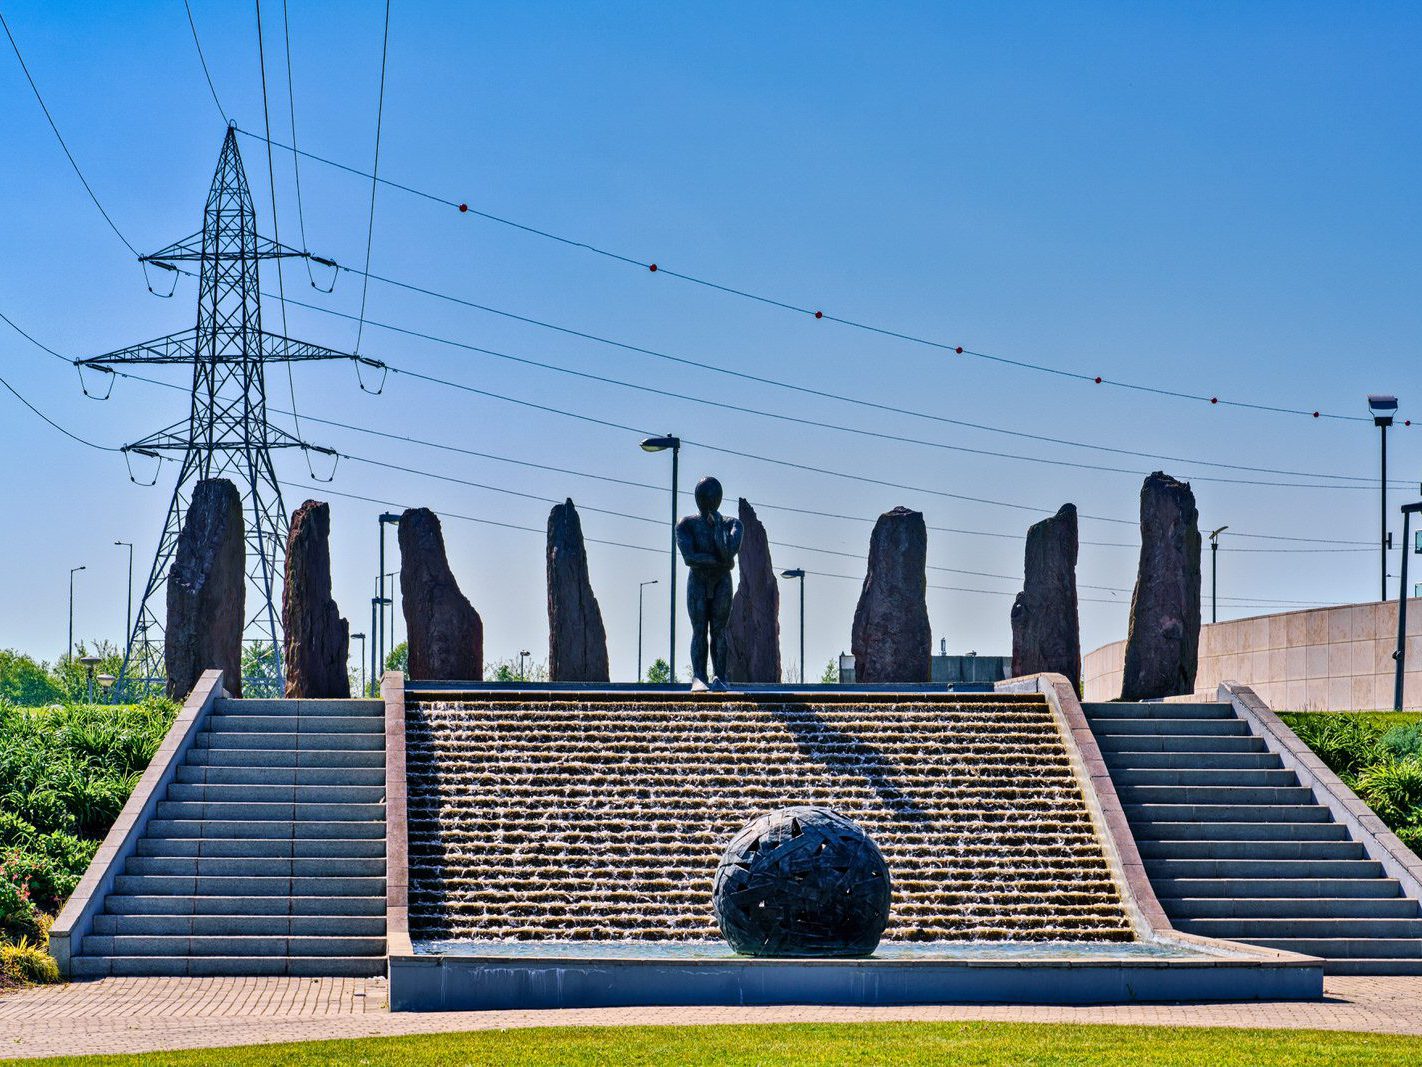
(661, 444)
(1215, 534)
(1383, 408)
(795, 573)
(390, 517)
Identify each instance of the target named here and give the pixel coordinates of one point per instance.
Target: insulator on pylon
(100, 369)
(331, 263)
(157, 464)
(149, 281)
(331, 452)
(360, 379)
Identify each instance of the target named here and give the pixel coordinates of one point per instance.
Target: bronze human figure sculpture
(708, 542)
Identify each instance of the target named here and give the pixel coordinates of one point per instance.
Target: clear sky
(1214, 199)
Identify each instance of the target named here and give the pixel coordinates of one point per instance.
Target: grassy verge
(897, 1043)
(1378, 755)
(65, 773)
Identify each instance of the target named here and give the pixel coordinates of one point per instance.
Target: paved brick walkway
(155, 1014)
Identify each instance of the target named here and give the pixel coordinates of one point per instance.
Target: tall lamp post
(522, 670)
(661, 444)
(69, 649)
(377, 606)
(377, 626)
(641, 588)
(799, 572)
(361, 639)
(128, 615)
(1215, 572)
(1383, 409)
(1400, 655)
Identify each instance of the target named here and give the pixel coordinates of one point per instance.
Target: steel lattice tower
(227, 433)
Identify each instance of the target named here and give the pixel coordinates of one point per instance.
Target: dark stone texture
(891, 640)
(445, 633)
(708, 543)
(1046, 631)
(207, 591)
(753, 634)
(317, 641)
(577, 641)
(1163, 645)
(802, 881)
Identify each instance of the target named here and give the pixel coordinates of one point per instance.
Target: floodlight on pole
(1399, 655)
(387, 518)
(128, 612)
(1215, 571)
(1383, 408)
(522, 671)
(69, 649)
(361, 639)
(641, 588)
(799, 573)
(661, 444)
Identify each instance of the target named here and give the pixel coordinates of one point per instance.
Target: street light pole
(1400, 654)
(661, 444)
(1215, 572)
(522, 670)
(799, 572)
(377, 609)
(1383, 408)
(69, 649)
(386, 519)
(128, 616)
(640, 589)
(361, 639)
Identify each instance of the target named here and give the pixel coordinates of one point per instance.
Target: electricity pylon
(227, 434)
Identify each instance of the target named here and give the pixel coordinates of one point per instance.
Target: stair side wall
(76, 919)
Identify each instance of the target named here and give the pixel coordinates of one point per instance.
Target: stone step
(1217, 761)
(1242, 795)
(223, 966)
(1269, 868)
(1172, 727)
(161, 925)
(1163, 812)
(1158, 711)
(1110, 743)
(1145, 831)
(306, 725)
(235, 811)
(1338, 948)
(266, 829)
(286, 757)
(247, 886)
(1346, 928)
(1291, 908)
(1257, 888)
(1129, 776)
(229, 945)
(268, 847)
(268, 866)
(1251, 849)
(323, 742)
(1361, 965)
(301, 708)
(165, 904)
(190, 774)
(278, 794)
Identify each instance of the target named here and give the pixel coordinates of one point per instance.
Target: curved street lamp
(799, 573)
(661, 444)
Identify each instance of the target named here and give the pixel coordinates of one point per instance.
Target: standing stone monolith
(753, 634)
(444, 633)
(1162, 647)
(207, 591)
(317, 641)
(891, 640)
(577, 641)
(1046, 632)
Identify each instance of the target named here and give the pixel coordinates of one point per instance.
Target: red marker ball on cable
(1214, 400)
(652, 267)
(1098, 380)
(463, 207)
(819, 314)
(1315, 414)
(959, 350)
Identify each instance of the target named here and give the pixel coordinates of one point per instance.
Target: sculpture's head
(708, 495)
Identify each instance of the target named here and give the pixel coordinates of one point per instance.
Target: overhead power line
(374, 176)
(192, 25)
(820, 314)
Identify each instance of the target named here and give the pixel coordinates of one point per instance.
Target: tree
(25, 682)
(259, 670)
(71, 677)
(507, 670)
(830, 676)
(398, 658)
(659, 673)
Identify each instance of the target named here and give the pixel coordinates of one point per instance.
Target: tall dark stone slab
(577, 641)
(444, 632)
(317, 641)
(207, 591)
(753, 634)
(1046, 632)
(891, 640)
(1162, 647)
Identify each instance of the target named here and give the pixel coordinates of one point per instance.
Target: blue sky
(1215, 199)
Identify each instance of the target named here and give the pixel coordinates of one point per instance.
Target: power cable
(67, 433)
(295, 156)
(374, 179)
(192, 25)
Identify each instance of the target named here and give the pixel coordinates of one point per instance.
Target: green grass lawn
(896, 1043)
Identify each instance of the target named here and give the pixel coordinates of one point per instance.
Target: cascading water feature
(602, 819)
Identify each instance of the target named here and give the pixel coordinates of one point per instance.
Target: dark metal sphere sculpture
(802, 881)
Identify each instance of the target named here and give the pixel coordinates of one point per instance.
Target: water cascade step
(267, 855)
(579, 818)
(1236, 848)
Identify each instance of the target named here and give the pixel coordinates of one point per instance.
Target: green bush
(24, 962)
(19, 914)
(1402, 741)
(1394, 790)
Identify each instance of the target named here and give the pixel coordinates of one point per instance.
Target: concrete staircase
(1236, 848)
(267, 856)
(571, 818)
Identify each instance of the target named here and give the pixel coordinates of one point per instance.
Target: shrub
(1394, 790)
(19, 916)
(1345, 743)
(24, 962)
(1402, 741)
